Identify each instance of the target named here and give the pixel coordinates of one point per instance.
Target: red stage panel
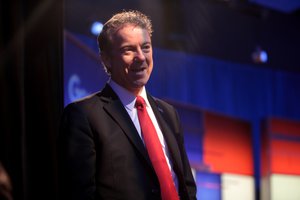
(227, 144)
(284, 127)
(283, 144)
(285, 157)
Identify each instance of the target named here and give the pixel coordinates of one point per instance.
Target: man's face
(130, 62)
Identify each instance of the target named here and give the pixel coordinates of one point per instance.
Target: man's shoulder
(169, 113)
(87, 99)
(163, 104)
(85, 103)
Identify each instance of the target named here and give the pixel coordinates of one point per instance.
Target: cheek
(149, 57)
(150, 62)
(121, 63)
(126, 59)
(150, 70)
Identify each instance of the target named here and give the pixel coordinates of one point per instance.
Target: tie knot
(140, 102)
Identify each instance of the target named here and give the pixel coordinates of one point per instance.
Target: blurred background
(230, 67)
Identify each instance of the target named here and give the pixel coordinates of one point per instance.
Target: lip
(140, 69)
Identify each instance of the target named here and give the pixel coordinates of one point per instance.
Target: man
(106, 142)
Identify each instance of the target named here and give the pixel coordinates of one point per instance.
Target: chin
(141, 83)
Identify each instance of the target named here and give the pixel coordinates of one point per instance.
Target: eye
(127, 49)
(146, 47)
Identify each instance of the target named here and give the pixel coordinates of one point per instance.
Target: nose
(139, 56)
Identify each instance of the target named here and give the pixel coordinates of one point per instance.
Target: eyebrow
(147, 43)
(129, 45)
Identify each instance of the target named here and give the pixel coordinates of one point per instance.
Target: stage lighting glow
(263, 56)
(96, 28)
(260, 56)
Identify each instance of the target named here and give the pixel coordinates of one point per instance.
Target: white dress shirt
(128, 100)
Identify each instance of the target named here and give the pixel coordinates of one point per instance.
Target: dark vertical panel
(11, 87)
(43, 94)
(31, 38)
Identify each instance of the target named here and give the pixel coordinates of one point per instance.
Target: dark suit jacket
(101, 155)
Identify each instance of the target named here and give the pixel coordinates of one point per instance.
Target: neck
(135, 91)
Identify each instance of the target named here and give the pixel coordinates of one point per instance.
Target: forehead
(131, 32)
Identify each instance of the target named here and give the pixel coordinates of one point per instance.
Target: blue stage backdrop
(234, 89)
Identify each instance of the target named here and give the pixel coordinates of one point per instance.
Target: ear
(106, 61)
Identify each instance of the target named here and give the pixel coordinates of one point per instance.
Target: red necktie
(155, 152)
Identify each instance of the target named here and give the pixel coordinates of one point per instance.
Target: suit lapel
(168, 134)
(116, 110)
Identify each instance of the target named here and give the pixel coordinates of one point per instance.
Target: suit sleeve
(76, 156)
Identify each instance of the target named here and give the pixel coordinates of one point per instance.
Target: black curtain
(31, 100)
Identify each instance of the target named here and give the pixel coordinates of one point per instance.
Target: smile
(138, 69)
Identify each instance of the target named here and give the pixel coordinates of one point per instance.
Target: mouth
(140, 69)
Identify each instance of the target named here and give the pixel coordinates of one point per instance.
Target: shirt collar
(127, 98)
